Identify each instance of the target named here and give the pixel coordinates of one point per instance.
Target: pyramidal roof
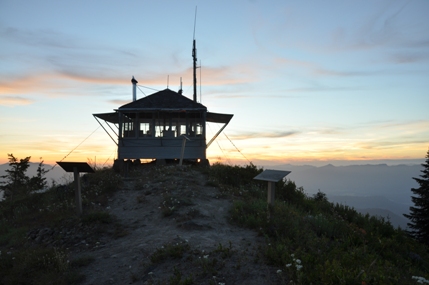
(162, 100)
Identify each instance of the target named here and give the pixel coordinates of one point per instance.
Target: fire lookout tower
(155, 126)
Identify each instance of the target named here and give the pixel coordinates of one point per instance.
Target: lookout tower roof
(163, 100)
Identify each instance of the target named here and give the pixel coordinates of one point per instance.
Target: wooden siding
(161, 148)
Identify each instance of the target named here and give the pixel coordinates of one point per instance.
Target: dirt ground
(176, 231)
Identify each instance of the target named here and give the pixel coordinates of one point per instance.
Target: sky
(308, 82)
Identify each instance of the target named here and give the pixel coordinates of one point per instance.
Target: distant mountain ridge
(378, 189)
(370, 186)
(375, 206)
(56, 173)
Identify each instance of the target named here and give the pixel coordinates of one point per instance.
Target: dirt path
(168, 209)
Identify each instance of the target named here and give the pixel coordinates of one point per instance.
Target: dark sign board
(81, 166)
(272, 175)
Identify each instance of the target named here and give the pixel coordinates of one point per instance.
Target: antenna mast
(194, 56)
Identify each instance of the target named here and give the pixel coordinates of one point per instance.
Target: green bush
(234, 176)
(317, 242)
(25, 262)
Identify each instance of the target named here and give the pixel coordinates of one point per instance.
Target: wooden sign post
(272, 176)
(185, 138)
(76, 168)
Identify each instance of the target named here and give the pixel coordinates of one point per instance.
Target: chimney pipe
(134, 82)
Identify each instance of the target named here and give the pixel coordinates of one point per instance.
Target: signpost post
(185, 138)
(76, 168)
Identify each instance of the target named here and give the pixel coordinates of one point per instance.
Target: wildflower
(292, 255)
(205, 256)
(279, 271)
(421, 280)
(288, 265)
(298, 267)
(298, 261)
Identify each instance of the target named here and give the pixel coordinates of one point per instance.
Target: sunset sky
(307, 81)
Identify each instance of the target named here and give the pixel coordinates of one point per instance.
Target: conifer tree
(419, 213)
(16, 178)
(39, 181)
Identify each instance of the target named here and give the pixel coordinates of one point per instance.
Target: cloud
(118, 102)
(48, 39)
(316, 69)
(392, 144)
(41, 38)
(409, 57)
(327, 72)
(396, 126)
(56, 84)
(60, 62)
(11, 101)
(259, 135)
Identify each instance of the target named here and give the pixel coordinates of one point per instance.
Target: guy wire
(77, 146)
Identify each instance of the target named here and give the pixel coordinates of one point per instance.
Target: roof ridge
(164, 99)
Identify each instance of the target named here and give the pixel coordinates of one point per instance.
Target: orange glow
(105, 155)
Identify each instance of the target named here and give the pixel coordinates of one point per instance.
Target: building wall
(161, 148)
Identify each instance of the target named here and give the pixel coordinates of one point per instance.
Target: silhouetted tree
(39, 181)
(320, 196)
(16, 179)
(419, 213)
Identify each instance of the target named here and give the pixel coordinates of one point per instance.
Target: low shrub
(317, 242)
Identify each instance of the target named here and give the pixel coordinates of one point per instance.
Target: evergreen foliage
(16, 179)
(419, 213)
(39, 181)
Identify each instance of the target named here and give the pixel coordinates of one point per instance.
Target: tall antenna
(194, 56)
(195, 20)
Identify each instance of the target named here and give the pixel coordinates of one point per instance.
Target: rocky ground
(170, 228)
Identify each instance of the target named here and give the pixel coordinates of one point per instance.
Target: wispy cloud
(118, 102)
(49, 39)
(395, 126)
(391, 144)
(327, 72)
(48, 84)
(409, 57)
(11, 101)
(259, 135)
